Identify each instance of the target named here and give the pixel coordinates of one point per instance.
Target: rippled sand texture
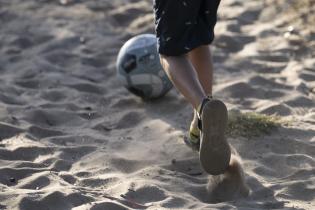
(71, 138)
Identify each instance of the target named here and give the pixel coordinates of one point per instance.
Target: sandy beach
(72, 138)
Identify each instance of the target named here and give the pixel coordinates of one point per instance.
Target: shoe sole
(215, 152)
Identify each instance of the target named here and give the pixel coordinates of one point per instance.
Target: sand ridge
(71, 138)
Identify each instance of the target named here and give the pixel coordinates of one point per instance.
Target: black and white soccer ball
(139, 68)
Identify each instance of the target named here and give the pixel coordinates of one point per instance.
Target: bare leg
(184, 77)
(202, 61)
(214, 150)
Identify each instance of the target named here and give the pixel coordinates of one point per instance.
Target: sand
(71, 138)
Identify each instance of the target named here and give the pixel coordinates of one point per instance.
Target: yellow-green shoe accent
(194, 134)
(193, 139)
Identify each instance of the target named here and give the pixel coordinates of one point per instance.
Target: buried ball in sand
(139, 68)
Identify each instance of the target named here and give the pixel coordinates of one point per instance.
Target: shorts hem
(183, 51)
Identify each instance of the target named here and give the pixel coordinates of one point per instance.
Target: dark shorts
(182, 25)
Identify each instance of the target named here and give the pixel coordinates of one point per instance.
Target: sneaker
(214, 151)
(193, 139)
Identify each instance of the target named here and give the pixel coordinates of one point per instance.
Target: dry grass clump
(251, 124)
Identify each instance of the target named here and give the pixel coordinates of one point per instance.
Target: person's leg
(178, 34)
(214, 150)
(184, 77)
(202, 61)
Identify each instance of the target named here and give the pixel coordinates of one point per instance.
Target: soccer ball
(139, 68)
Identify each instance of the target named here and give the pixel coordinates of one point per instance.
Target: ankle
(201, 105)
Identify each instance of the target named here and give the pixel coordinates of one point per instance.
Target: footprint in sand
(36, 181)
(249, 16)
(7, 130)
(128, 13)
(11, 100)
(129, 120)
(56, 200)
(233, 43)
(108, 205)
(277, 109)
(245, 90)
